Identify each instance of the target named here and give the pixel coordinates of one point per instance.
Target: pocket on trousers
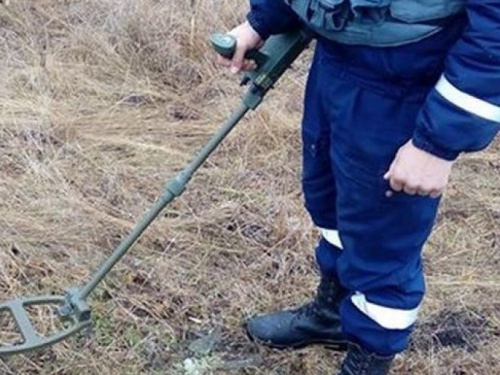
(316, 161)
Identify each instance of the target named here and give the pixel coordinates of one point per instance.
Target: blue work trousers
(361, 104)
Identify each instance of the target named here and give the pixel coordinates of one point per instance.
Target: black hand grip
(225, 45)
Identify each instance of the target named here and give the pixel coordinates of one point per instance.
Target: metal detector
(273, 59)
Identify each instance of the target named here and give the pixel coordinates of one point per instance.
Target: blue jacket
(462, 113)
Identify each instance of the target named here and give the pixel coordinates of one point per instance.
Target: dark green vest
(380, 23)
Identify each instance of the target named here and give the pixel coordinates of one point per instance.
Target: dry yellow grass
(100, 102)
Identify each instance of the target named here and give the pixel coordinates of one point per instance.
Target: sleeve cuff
(423, 143)
(258, 25)
(445, 129)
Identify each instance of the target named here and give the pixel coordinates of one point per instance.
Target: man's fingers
(388, 174)
(249, 65)
(410, 190)
(223, 61)
(423, 193)
(238, 60)
(396, 184)
(400, 185)
(390, 171)
(435, 193)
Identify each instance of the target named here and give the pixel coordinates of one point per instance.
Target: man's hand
(415, 171)
(246, 39)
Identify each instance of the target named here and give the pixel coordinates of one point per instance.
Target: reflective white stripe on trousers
(386, 317)
(467, 102)
(332, 236)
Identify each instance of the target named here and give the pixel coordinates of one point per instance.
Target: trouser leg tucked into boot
(360, 362)
(317, 322)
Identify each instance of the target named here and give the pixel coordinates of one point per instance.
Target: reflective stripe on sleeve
(332, 236)
(467, 102)
(386, 317)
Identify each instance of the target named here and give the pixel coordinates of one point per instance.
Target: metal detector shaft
(173, 189)
(275, 57)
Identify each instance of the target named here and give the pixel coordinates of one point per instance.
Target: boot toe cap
(270, 329)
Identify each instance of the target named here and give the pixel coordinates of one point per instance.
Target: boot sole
(340, 346)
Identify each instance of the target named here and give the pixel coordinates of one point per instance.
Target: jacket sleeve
(462, 112)
(270, 17)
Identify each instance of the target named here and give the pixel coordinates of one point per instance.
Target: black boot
(360, 362)
(317, 322)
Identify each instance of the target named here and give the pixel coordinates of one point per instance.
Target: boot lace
(324, 297)
(309, 309)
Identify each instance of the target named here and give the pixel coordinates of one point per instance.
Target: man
(396, 92)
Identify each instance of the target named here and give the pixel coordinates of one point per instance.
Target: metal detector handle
(225, 45)
(273, 59)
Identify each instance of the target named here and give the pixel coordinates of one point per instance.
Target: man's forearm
(462, 113)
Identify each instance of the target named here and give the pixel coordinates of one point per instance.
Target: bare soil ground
(101, 102)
